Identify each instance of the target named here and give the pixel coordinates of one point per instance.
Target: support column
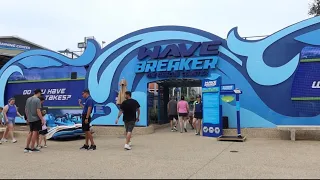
(293, 134)
(238, 114)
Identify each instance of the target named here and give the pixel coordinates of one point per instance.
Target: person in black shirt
(129, 109)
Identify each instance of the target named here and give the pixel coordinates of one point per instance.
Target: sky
(61, 24)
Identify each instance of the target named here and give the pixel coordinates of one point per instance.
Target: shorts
(43, 132)
(11, 121)
(85, 127)
(183, 114)
(35, 126)
(171, 117)
(198, 115)
(129, 125)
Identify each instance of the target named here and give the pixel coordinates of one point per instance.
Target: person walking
(191, 109)
(10, 112)
(197, 115)
(173, 113)
(183, 110)
(43, 114)
(129, 109)
(44, 129)
(86, 120)
(34, 119)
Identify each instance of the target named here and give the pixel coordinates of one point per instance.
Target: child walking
(43, 134)
(44, 130)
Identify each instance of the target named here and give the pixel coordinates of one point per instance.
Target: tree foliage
(315, 8)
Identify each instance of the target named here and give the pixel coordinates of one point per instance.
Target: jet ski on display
(65, 126)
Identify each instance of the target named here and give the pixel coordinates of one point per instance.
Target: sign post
(228, 91)
(212, 126)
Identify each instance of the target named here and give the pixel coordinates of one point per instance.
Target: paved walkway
(164, 155)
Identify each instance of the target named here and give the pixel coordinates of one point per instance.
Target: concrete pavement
(164, 154)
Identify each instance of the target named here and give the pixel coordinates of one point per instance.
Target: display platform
(232, 138)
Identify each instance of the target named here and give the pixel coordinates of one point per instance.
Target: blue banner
(307, 80)
(56, 93)
(305, 91)
(211, 108)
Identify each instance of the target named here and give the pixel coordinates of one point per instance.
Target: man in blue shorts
(86, 119)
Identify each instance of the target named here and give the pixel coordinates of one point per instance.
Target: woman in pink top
(183, 111)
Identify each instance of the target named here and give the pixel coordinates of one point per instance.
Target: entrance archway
(166, 88)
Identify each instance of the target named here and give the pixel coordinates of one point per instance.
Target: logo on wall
(217, 130)
(210, 83)
(176, 59)
(211, 130)
(205, 129)
(210, 86)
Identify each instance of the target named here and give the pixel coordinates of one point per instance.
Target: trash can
(225, 122)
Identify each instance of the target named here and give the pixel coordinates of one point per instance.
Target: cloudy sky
(61, 24)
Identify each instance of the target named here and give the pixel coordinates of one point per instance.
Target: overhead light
(82, 45)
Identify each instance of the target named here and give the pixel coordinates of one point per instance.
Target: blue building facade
(278, 74)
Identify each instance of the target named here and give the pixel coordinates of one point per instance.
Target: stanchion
(239, 137)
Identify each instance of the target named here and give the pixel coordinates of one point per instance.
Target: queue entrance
(157, 106)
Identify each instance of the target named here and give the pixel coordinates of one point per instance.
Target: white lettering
(14, 45)
(26, 92)
(58, 97)
(49, 91)
(61, 91)
(315, 85)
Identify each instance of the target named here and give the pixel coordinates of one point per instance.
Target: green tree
(315, 8)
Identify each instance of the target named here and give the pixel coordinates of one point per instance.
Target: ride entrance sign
(211, 126)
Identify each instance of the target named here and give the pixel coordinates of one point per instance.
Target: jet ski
(65, 126)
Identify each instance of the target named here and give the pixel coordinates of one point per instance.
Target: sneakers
(127, 147)
(174, 129)
(38, 147)
(185, 130)
(6, 140)
(84, 147)
(87, 147)
(45, 146)
(34, 150)
(130, 144)
(92, 147)
(26, 150)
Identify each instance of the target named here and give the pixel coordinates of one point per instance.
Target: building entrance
(159, 97)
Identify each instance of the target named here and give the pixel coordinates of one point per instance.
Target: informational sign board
(56, 93)
(305, 91)
(212, 126)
